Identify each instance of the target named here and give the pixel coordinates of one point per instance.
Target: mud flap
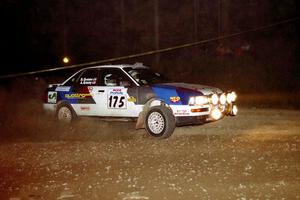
(141, 119)
(140, 123)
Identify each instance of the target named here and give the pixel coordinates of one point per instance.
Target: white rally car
(134, 91)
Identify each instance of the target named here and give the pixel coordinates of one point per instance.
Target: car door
(112, 95)
(83, 94)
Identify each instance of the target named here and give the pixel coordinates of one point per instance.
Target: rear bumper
(49, 107)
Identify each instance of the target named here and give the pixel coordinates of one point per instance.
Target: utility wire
(151, 52)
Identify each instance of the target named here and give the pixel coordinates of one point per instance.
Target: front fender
(150, 103)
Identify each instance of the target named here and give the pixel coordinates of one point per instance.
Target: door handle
(100, 90)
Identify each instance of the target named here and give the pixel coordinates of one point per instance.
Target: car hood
(180, 93)
(204, 89)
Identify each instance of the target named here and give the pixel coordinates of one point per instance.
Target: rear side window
(89, 77)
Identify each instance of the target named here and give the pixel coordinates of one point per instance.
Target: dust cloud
(23, 118)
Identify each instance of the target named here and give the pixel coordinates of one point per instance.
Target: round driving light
(233, 96)
(234, 110)
(216, 114)
(223, 99)
(229, 98)
(214, 99)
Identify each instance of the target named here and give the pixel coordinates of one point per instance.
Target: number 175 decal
(117, 99)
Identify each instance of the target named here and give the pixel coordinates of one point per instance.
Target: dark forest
(38, 34)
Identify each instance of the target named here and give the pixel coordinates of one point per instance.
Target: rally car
(136, 92)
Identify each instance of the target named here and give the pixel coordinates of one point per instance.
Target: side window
(114, 77)
(89, 77)
(72, 80)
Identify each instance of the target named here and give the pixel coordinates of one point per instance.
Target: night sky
(37, 34)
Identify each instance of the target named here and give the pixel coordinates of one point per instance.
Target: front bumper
(211, 113)
(189, 120)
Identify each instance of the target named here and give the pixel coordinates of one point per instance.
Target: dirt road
(252, 156)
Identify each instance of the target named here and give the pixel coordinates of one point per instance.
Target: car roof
(120, 66)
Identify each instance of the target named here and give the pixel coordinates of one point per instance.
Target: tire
(160, 122)
(65, 113)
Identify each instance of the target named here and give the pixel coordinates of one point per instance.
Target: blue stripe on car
(185, 94)
(164, 92)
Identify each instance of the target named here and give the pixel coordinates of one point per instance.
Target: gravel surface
(252, 156)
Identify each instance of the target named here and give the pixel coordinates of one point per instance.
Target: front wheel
(160, 122)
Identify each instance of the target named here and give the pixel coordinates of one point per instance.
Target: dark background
(36, 34)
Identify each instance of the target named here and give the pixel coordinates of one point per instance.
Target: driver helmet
(110, 80)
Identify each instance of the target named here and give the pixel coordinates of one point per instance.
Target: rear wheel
(160, 122)
(65, 113)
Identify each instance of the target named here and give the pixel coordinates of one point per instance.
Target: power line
(151, 52)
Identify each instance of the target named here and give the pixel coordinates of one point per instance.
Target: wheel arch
(64, 103)
(148, 105)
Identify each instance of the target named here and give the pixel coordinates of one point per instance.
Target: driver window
(114, 77)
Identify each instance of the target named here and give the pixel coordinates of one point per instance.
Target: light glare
(234, 110)
(216, 114)
(233, 96)
(66, 60)
(200, 100)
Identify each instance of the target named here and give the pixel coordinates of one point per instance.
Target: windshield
(145, 76)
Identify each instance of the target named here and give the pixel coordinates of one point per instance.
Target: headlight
(214, 99)
(198, 100)
(223, 99)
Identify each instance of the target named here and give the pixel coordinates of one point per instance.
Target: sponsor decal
(131, 99)
(63, 89)
(88, 81)
(52, 97)
(116, 91)
(181, 112)
(85, 108)
(175, 99)
(77, 96)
